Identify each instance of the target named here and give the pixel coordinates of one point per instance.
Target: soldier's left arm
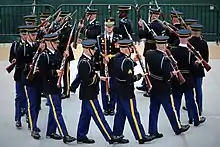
(205, 51)
(128, 69)
(166, 68)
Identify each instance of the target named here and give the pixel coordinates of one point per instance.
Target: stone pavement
(206, 135)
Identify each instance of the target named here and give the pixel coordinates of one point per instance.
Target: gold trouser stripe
(29, 108)
(68, 78)
(174, 110)
(194, 97)
(99, 119)
(55, 114)
(134, 118)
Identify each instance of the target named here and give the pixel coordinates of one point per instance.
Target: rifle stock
(180, 77)
(10, 67)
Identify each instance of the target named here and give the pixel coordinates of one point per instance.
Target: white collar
(92, 21)
(51, 50)
(161, 51)
(87, 56)
(183, 45)
(22, 41)
(30, 43)
(111, 36)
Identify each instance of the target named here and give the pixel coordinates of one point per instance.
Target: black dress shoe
(38, 130)
(123, 141)
(63, 96)
(18, 124)
(111, 112)
(68, 139)
(146, 138)
(184, 128)
(86, 141)
(141, 88)
(201, 120)
(106, 112)
(43, 95)
(54, 136)
(115, 139)
(146, 94)
(184, 108)
(72, 89)
(157, 135)
(35, 135)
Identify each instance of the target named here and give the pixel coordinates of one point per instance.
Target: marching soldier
(124, 21)
(202, 47)
(63, 38)
(111, 47)
(126, 102)
(49, 68)
(189, 22)
(148, 35)
(89, 90)
(20, 100)
(32, 87)
(161, 72)
(30, 19)
(91, 31)
(187, 63)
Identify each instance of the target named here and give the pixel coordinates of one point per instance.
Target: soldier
(202, 47)
(148, 36)
(189, 22)
(89, 90)
(126, 102)
(161, 72)
(63, 38)
(20, 99)
(91, 31)
(111, 48)
(187, 63)
(124, 21)
(30, 19)
(31, 87)
(49, 68)
(173, 41)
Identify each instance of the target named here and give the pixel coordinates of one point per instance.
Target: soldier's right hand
(140, 23)
(59, 72)
(14, 60)
(81, 25)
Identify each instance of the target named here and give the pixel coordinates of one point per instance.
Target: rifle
(49, 18)
(180, 77)
(109, 10)
(79, 29)
(10, 67)
(147, 80)
(65, 58)
(190, 47)
(106, 68)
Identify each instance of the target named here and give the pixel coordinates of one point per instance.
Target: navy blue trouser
(92, 108)
(33, 95)
(55, 117)
(193, 111)
(108, 102)
(126, 107)
(20, 100)
(198, 92)
(76, 82)
(166, 100)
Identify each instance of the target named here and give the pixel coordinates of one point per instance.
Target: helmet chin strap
(30, 38)
(92, 55)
